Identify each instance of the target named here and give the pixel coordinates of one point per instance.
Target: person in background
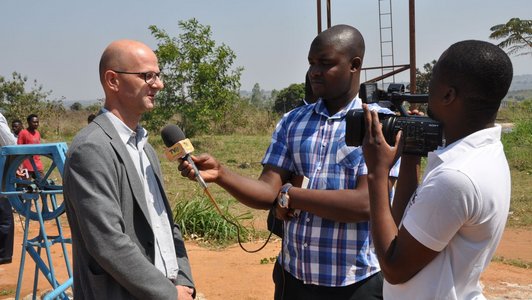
(327, 250)
(7, 225)
(439, 235)
(31, 136)
(125, 243)
(16, 127)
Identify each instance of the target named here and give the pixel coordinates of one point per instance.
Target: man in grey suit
(125, 243)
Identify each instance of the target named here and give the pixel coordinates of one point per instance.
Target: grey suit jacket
(112, 240)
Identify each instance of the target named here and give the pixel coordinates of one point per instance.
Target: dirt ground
(231, 273)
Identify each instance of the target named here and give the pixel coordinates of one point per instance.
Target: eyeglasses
(149, 77)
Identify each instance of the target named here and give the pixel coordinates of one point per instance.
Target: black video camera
(421, 134)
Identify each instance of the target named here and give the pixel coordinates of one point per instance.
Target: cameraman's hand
(378, 154)
(415, 112)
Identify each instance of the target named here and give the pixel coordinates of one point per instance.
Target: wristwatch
(284, 199)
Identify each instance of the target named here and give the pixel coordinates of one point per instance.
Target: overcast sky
(59, 42)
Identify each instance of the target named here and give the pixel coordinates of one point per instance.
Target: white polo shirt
(460, 210)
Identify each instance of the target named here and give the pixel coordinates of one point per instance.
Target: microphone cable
(237, 226)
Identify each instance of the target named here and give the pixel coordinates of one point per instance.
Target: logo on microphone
(179, 150)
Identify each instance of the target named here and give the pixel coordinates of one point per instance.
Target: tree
(16, 102)
(200, 84)
(517, 35)
(423, 78)
(76, 106)
(289, 98)
(256, 96)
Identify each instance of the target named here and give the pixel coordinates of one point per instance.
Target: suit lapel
(135, 183)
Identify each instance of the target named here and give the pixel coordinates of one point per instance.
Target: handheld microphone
(179, 147)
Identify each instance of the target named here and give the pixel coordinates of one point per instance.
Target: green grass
(512, 262)
(518, 149)
(6, 292)
(202, 223)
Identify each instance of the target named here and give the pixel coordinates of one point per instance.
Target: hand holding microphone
(179, 147)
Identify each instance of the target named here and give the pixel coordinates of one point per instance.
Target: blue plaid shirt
(308, 141)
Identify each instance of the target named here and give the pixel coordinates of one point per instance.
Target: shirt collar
(124, 132)
(475, 140)
(321, 109)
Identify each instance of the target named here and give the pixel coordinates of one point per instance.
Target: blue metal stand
(35, 199)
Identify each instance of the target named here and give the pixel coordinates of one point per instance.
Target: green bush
(199, 220)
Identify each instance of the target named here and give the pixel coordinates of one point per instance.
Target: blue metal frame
(40, 195)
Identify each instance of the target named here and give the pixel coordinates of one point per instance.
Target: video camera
(421, 134)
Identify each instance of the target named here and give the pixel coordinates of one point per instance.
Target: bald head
(345, 38)
(123, 55)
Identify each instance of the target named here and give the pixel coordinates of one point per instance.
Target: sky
(58, 43)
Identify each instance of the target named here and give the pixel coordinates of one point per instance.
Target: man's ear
(111, 80)
(356, 64)
(450, 95)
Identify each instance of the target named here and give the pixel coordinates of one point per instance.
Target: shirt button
(305, 245)
(308, 220)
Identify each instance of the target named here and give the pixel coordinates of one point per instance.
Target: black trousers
(287, 287)
(7, 228)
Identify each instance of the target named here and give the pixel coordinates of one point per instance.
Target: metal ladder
(386, 41)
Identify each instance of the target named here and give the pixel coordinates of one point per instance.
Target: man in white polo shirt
(439, 236)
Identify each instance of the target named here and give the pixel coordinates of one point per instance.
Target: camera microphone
(179, 147)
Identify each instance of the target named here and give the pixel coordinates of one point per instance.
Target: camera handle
(398, 98)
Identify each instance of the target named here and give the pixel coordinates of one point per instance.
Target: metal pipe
(318, 2)
(328, 13)
(412, 30)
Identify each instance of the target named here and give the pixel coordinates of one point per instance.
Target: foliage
(200, 84)
(517, 35)
(423, 78)
(53, 113)
(16, 102)
(246, 118)
(95, 107)
(289, 98)
(76, 106)
(256, 96)
(197, 219)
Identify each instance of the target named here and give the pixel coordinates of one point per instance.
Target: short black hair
(31, 117)
(345, 38)
(90, 118)
(480, 72)
(16, 121)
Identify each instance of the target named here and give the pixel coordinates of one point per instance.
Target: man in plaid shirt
(327, 249)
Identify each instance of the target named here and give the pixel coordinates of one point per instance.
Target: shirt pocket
(348, 156)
